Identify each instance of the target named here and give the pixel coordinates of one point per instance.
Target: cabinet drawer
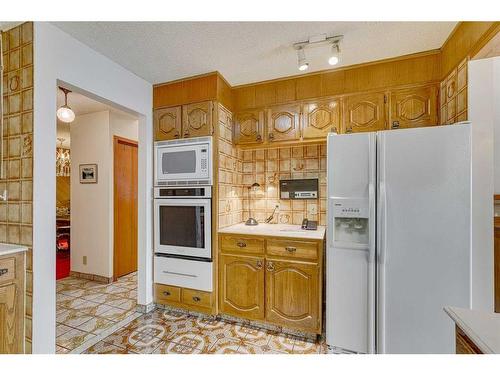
(292, 249)
(167, 293)
(196, 298)
(239, 244)
(7, 270)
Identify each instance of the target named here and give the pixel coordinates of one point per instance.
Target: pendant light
(65, 113)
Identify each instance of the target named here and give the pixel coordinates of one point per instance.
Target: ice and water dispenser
(350, 217)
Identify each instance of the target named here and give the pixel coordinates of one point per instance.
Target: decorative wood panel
(414, 107)
(12, 304)
(197, 119)
(241, 286)
(249, 127)
(283, 123)
(364, 113)
(167, 123)
(292, 294)
(320, 118)
(453, 96)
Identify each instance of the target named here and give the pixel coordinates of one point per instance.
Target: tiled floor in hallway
(168, 332)
(88, 310)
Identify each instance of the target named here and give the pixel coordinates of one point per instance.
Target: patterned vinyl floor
(168, 332)
(87, 310)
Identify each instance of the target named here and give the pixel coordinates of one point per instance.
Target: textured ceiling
(245, 52)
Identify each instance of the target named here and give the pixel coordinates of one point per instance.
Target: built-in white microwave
(183, 162)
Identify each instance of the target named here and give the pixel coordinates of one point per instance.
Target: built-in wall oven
(182, 222)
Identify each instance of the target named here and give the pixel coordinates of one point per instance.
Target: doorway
(125, 206)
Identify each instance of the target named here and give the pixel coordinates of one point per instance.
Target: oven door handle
(179, 274)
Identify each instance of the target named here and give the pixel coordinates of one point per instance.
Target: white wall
(60, 58)
(483, 88)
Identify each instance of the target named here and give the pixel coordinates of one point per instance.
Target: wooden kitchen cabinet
(292, 294)
(12, 303)
(453, 95)
(414, 107)
(197, 119)
(365, 113)
(241, 286)
(283, 123)
(167, 123)
(320, 118)
(249, 127)
(272, 279)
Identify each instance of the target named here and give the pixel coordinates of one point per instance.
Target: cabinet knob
(348, 130)
(258, 137)
(291, 249)
(3, 271)
(270, 266)
(186, 134)
(166, 293)
(241, 244)
(176, 135)
(271, 136)
(196, 299)
(395, 124)
(259, 264)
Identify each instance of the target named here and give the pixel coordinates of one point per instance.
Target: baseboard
(89, 276)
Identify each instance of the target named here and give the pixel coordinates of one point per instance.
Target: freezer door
(423, 236)
(350, 272)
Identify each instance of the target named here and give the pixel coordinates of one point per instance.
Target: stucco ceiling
(245, 52)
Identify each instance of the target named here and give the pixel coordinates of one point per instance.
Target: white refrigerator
(398, 239)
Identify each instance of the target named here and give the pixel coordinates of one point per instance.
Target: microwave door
(180, 163)
(183, 228)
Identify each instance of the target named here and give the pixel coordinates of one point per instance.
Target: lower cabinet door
(241, 286)
(11, 318)
(292, 294)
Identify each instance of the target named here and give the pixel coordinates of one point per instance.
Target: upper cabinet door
(249, 127)
(414, 107)
(283, 123)
(197, 119)
(320, 118)
(167, 123)
(364, 113)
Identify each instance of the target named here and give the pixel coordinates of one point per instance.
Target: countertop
(482, 327)
(278, 230)
(6, 248)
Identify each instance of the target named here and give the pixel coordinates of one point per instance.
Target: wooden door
(496, 261)
(283, 123)
(125, 207)
(197, 119)
(167, 123)
(12, 304)
(292, 294)
(241, 286)
(320, 118)
(414, 107)
(365, 113)
(249, 127)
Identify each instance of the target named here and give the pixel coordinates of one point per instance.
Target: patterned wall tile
(16, 213)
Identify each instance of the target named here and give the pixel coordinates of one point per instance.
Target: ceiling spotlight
(335, 56)
(302, 62)
(65, 113)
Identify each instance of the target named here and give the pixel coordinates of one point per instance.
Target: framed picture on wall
(88, 173)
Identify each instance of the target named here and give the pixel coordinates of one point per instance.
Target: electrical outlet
(84, 260)
(312, 209)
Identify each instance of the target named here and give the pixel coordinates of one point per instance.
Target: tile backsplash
(239, 169)
(268, 166)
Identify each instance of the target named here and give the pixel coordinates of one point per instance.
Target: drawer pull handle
(196, 299)
(259, 264)
(241, 244)
(291, 249)
(3, 271)
(166, 293)
(270, 266)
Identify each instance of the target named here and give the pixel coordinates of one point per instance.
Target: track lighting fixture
(301, 57)
(65, 113)
(316, 41)
(335, 56)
